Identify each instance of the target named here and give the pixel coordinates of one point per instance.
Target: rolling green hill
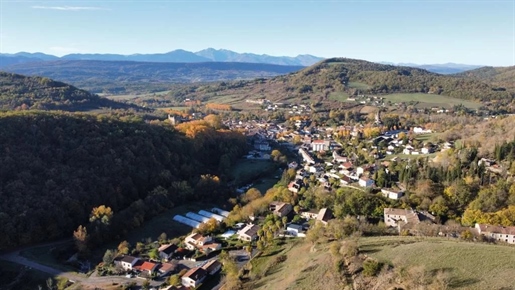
(352, 77)
(18, 92)
(500, 77)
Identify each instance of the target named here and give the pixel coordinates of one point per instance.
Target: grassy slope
(248, 169)
(469, 265)
(301, 270)
(429, 100)
(472, 265)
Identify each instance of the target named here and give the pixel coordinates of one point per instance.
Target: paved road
(94, 281)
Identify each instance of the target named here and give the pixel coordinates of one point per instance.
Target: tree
(153, 254)
(174, 280)
(50, 284)
(123, 248)
(146, 285)
(81, 239)
(102, 214)
(109, 256)
(162, 238)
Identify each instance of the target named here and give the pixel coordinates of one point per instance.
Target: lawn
(338, 96)
(430, 100)
(248, 170)
(20, 278)
(471, 265)
(265, 183)
(425, 137)
(359, 86)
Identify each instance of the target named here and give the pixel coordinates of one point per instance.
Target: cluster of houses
(170, 253)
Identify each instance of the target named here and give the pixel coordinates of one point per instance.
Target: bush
(371, 267)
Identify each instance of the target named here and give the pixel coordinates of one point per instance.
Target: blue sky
(430, 31)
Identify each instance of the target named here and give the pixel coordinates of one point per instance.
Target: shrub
(371, 267)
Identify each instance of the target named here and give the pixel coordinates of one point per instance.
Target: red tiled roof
(145, 266)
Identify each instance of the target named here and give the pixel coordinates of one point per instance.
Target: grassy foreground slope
(302, 268)
(469, 265)
(464, 265)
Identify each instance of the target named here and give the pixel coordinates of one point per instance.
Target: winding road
(92, 281)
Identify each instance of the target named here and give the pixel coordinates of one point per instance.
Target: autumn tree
(101, 214)
(81, 239)
(123, 248)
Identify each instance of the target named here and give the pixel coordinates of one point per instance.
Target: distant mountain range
(116, 77)
(179, 55)
(211, 55)
(445, 68)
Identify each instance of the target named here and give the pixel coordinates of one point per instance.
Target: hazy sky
(472, 32)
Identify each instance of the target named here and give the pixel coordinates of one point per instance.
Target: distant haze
(209, 55)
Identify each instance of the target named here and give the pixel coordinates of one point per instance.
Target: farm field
(359, 86)
(430, 100)
(470, 265)
(338, 96)
(133, 96)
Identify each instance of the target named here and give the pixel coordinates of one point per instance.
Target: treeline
(56, 167)
(19, 92)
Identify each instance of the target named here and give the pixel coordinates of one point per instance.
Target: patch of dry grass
(469, 265)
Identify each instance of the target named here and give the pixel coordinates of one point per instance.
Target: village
(321, 159)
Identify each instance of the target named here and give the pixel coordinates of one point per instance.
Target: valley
(310, 161)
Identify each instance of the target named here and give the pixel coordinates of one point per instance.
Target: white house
(306, 157)
(166, 251)
(196, 240)
(320, 145)
(295, 230)
(392, 194)
(128, 262)
(212, 267)
(248, 233)
(309, 214)
(498, 233)
(366, 182)
(194, 277)
(395, 217)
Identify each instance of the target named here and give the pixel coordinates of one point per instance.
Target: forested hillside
(55, 167)
(352, 77)
(18, 92)
(501, 77)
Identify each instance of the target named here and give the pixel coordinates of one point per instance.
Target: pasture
(421, 100)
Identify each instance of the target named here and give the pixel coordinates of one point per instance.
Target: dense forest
(56, 167)
(497, 76)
